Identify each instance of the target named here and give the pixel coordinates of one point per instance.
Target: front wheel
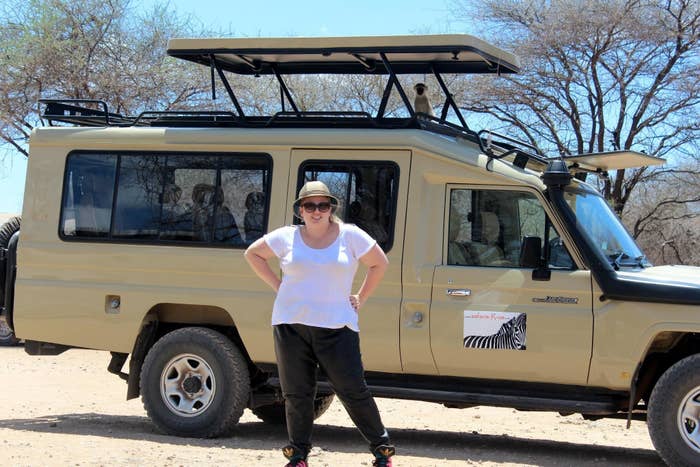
(195, 383)
(674, 413)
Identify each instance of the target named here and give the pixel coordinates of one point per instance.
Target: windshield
(594, 216)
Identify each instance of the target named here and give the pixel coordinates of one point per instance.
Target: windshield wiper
(616, 259)
(642, 261)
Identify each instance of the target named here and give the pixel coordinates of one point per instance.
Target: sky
(277, 18)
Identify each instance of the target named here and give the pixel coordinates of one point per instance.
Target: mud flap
(144, 342)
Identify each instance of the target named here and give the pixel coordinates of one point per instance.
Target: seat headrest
(255, 201)
(490, 228)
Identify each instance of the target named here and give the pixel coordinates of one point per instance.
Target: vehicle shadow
(428, 444)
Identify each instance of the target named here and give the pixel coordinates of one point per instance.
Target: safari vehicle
(511, 283)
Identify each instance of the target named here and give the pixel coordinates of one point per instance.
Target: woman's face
(315, 216)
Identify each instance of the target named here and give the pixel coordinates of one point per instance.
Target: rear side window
(87, 195)
(367, 191)
(211, 199)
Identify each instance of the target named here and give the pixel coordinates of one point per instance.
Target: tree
(597, 75)
(665, 223)
(89, 49)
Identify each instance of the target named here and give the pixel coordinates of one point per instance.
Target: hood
(685, 274)
(661, 284)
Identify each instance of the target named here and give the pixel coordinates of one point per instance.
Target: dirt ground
(67, 410)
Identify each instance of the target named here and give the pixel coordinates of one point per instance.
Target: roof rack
(387, 55)
(67, 111)
(506, 147)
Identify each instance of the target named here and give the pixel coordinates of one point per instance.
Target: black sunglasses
(311, 207)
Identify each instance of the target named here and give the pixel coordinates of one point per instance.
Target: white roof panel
(452, 53)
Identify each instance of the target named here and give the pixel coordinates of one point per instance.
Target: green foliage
(89, 49)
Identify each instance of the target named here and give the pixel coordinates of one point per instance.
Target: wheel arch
(164, 318)
(665, 349)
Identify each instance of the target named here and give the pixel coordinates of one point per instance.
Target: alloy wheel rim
(187, 385)
(689, 419)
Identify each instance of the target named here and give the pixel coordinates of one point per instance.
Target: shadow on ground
(429, 444)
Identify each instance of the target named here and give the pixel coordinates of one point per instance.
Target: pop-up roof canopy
(378, 55)
(353, 55)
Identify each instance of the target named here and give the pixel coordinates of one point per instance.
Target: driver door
(488, 317)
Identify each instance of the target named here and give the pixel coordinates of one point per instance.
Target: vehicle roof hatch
(448, 53)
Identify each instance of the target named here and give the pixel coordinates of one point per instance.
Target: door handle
(459, 292)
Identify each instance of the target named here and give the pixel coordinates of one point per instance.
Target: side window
(486, 228)
(87, 198)
(137, 210)
(367, 191)
(164, 198)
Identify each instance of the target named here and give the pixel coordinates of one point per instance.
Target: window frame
(549, 214)
(349, 163)
(266, 157)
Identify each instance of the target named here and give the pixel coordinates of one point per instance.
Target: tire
(674, 413)
(7, 337)
(274, 413)
(7, 230)
(200, 361)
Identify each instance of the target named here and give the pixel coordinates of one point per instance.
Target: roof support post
(229, 90)
(392, 77)
(282, 99)
(448, 100)
(211, 73)
(385, 99)
(284, 89)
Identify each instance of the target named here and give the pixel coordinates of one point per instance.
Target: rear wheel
(7, 230)
(195, 383)
(274, 413)
(674, 413)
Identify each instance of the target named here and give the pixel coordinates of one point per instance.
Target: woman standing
(315, 316)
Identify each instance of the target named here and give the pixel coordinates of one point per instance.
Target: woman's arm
(257, 256)
(376, 262)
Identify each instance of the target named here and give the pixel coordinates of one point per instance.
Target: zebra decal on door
(495, 330)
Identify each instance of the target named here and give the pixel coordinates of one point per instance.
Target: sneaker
(296, 457)
(382, 455)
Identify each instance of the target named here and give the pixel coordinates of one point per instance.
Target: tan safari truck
(511, 283)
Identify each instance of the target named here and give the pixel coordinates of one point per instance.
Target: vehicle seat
(225, 228)
(209, 211)
(176, 222)
(254, 216)
(486, 252)
(457, 252)
(202, 209)
(364, 215)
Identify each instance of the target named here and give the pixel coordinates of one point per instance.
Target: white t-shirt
(317, 282)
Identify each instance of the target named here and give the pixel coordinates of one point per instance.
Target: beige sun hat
(314, 188)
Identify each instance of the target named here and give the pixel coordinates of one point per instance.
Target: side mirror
(531, 252)
(531, 257)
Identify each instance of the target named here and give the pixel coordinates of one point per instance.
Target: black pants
(299, 350)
